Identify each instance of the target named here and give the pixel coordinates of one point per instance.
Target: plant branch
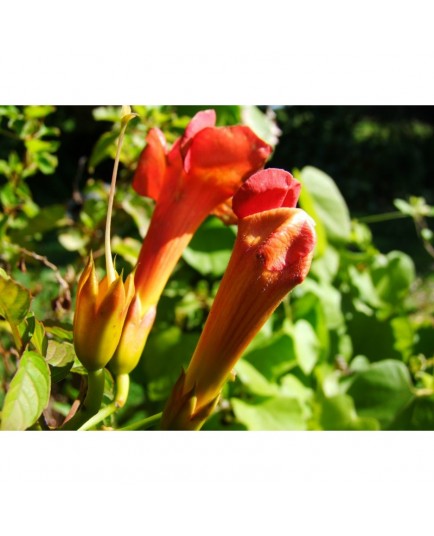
(387, 216)
(63, 284)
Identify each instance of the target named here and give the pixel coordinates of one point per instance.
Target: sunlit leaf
(338, 413)
(14, 299)
(38, 112)
(73, 240)
(262, 124)
(60, 357)
(321, 198)
(392, 275)
(254, 381)
(278, 413)
(306, 346)
(128, 248)
(28, 393)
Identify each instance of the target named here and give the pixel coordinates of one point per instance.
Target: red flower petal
(265, 190)
(201, 120)
(149, 176)
(225, 157)
(287, 244)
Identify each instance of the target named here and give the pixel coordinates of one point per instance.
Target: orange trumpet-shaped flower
(99, 317)
(196, 177)
(272, 254)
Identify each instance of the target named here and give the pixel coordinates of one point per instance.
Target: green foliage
(350, 349)
(210, 249)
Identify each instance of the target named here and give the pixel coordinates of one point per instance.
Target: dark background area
(374, 153)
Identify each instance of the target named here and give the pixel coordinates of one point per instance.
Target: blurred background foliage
(350, 349)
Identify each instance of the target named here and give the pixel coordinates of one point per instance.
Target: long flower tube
(272, 254)
(200, 173)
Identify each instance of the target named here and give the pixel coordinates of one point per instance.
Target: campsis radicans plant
(272, 254)
(196, 177)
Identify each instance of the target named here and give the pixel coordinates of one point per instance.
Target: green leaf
(14, 300)
(263, 125)
(166, 353)
(338, 413)
(4, 168)
(382, 391)
(418, 415)
(12, 112)
(362, 285)
(60, 357)
(128, 248)
(292, 387)
(330, 299)
(404, 335)
(138, 208)
(392, 275)
(26, 329)
(35, 145)
(307, 203)
(104, 147)
(210, 249)
(28, 394)
(73, 239)
(107, 113)
(372, 336)
(46, 162)
(307, 347)
(38, 112)
(325, 268)
(274, 356)
(39, 338)
(58, 330)
(279, 413)
(330, 209)
(255, 382)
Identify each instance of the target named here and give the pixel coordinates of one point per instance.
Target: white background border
(192, 52)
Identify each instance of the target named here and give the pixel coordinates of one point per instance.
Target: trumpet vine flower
(272, 254)
(196, 177)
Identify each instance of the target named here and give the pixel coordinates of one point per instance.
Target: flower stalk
(122, 382)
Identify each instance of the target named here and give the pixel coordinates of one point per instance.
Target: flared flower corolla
(272, 254)
(99, 317)
(201, 172)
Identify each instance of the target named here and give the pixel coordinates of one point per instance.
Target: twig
(63, 284)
